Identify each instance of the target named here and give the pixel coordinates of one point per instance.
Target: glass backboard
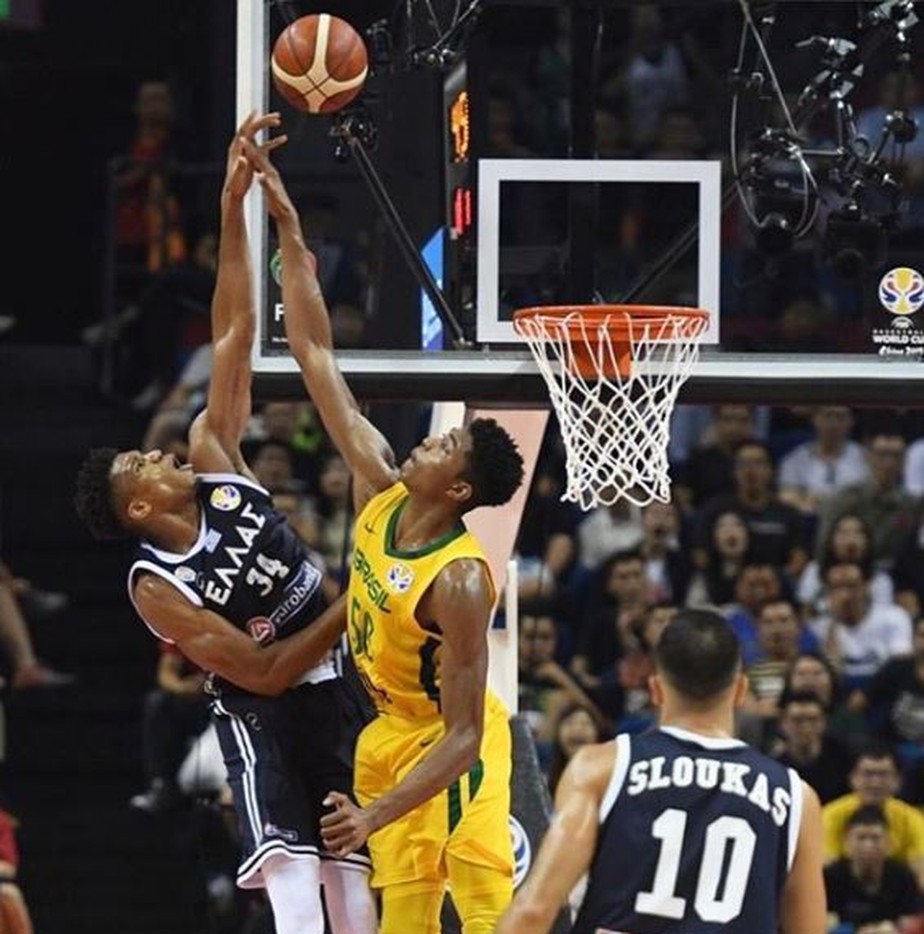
(762, 161)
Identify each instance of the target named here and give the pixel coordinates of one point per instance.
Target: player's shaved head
(698, 654)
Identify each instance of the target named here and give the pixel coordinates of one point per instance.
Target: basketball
(319, 63)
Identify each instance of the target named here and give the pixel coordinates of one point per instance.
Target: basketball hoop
(613, 374)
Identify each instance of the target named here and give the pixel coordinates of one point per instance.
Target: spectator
(875, 780)
(576, 727)
(614, 624)
(726, 557)
(655, 79)
(666, 565)
(632, 673)
(894, 698)
(709, 470)
(777, 532)
(272, 464)
(778, 633)
(812, 672)
(857, 635)
(545, 688)
(908, 573)
(175, 714)
(865, 888)
(829, 462)
(335, 513)
(757, 584)
(183, 401)
(607, 530)
(546, 543)
(804, 745)
(850, 540)
(888, 510)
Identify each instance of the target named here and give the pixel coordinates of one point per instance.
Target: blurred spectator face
(659, 521)
(627, 581)
(874, 780)
(576, 730)
(205, 253)
(732, 425)
(334, 482)
(154, 103)
(756, 584)
(832, 424)
(803, 724)
(812, 675)
(849, 540)
(537, 641)
(730, 535)
(867, 846)
(887, 460)
(280, 419)
(846, 591)
(348, 325)
(778, 630)
(753, 468)
(656, 622)
(272, 466)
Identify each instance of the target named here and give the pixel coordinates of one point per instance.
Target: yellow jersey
(398, 660)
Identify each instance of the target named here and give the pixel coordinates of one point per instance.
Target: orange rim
(581, 326)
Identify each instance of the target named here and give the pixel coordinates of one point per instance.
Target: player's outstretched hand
(346, 829)
(278, 202)
(239, 172)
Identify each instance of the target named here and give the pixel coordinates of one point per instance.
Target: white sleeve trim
(795, 815)
(620, 770)
(232, 478)
(152, 568)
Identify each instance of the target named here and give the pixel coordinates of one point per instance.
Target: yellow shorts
(468, 821)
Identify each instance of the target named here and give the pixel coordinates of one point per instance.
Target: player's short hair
(495, 465)
(867, 815)
(93, 499)
(698, 654)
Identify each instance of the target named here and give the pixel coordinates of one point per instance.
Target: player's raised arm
(308, 330)
(568, 846)
(214, 644)
(215, 440)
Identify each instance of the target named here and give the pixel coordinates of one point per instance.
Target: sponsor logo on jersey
(399, 577)
(522, 850)
(226, 498)
(261, 629)
(901, 291)
(212, 538)
(185, 574)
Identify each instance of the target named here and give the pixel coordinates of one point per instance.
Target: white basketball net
(615, 428)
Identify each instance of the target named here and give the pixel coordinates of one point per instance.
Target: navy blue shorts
(283, 755)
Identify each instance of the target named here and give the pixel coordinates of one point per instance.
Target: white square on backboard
(707, 174)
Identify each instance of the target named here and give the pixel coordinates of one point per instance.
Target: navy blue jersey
(247, 564)
(697, 835)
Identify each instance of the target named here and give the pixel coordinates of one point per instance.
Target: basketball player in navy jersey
(682, 829)
(220, 573)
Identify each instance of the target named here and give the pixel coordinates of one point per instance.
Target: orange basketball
(319, 63)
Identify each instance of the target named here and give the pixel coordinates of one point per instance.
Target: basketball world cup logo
(901, 291)
(226, 498)
(400, 577)
(522, 851)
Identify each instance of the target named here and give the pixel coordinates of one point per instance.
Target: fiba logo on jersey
(522, 851)
(226, 498)
(901, 292)
(399, 578)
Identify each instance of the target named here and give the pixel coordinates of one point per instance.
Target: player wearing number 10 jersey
(683, 829)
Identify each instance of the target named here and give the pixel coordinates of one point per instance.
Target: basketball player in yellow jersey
(432, 772)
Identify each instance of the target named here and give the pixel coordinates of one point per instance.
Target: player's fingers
(264, 122)
(245, 123)
(274, 143)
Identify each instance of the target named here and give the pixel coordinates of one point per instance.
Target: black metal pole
(350, 128)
